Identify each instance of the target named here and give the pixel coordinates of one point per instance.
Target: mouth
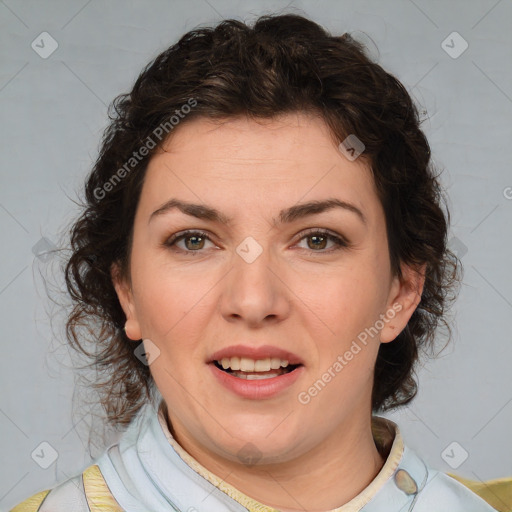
(256, 373)
(264, 372)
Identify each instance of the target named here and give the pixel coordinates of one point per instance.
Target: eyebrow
(288, 215)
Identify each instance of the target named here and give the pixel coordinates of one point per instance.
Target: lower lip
(256, 389)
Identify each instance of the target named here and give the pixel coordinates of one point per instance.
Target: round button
(405, 482)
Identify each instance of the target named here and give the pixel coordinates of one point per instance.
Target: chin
(256, 448)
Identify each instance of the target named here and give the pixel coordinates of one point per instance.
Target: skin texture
(297, 295)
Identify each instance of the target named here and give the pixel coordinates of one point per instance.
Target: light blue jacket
(144, 473)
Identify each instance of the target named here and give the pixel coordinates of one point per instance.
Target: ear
(125, 296)
(404, 297)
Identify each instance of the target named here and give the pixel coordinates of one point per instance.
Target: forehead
(274, 162)
(288, 137)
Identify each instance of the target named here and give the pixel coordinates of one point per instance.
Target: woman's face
(263, 274)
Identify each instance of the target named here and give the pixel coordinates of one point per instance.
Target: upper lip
(252, 352)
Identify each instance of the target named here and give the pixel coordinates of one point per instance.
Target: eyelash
(340, 242)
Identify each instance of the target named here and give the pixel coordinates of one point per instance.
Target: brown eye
(318, 240)
(196, 242)
(193, 241)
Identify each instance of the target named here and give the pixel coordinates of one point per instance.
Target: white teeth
(276, 363)
(262, 365)
(256, 377)
(246, 364)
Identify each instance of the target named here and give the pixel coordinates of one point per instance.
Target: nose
(255, 290)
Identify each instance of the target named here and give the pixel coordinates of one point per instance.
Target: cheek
(347, 301)
(174, 308)
(165, 297)
(349, 351)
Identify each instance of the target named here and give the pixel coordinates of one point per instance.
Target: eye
(196, 241)
(319, 239)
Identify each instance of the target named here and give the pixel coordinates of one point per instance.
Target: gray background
(53, 111)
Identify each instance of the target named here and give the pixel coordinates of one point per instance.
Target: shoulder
(443, 490)
(497, 492)
(415, 485)
(86, 492)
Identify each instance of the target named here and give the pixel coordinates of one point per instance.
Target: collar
(148, 470)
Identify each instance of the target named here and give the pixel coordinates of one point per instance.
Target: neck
(324, 478)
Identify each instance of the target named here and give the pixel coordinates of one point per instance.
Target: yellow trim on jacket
(31, 504)
(98, 495)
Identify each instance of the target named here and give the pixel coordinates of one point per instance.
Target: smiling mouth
(258, 375)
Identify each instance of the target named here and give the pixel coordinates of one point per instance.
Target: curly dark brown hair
(281, 64)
